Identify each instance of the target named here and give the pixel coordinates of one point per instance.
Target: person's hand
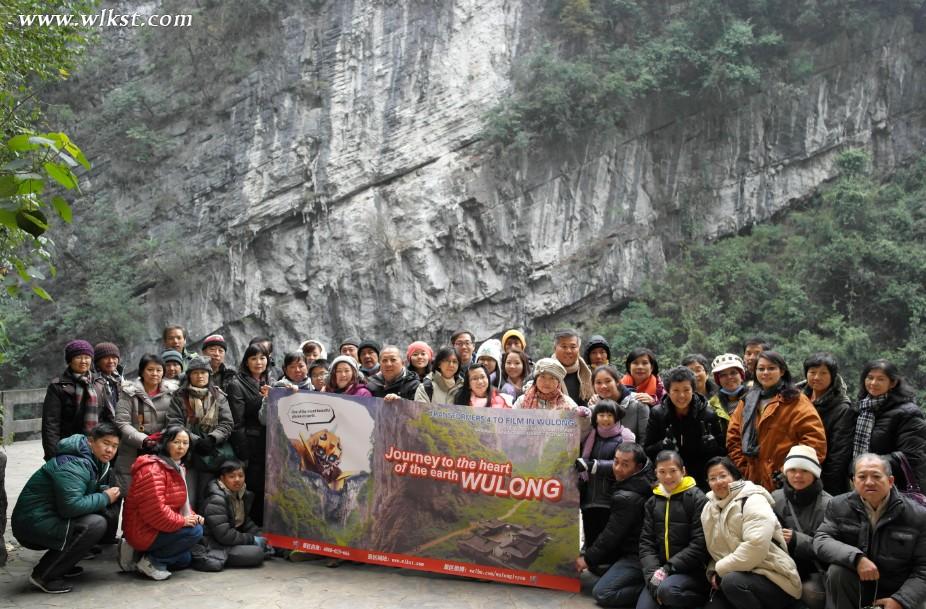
(149, 444)
(581, 565)
(655, 580)
(112, 493)
(668, 443)
(887, 603)
(788, 533)
(582, 465)
(265, 390)
(294, 388)
(584, 411)
(391, 397)
(191, 520)
(715, 581)
(261, 541)
(644, 398)
(867, 570)
(205, 446)
(593, 400)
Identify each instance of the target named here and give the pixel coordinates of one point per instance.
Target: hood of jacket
(686, 483)
(741, 489)
(641, 482)
(78, 447)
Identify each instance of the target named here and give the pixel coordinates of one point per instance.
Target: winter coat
(244, 401)
(636, 418)
(155, 502)
(697, 436)
(579, 383)
(137, 409)
(62, 416)
(897, 545)
(181, 413)
(405, 385)
(596, 491)
(621, 536)
(672, 530)
(358, 390)
(803, 528)
(900, 427)
(435, 389)
(835, 409)
(223, 377)
(780, 426)
(220, 518)
(68, 486)
(742, 534)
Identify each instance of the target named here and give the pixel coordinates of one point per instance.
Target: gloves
(586, 465)
(668, 443)
(205, 446)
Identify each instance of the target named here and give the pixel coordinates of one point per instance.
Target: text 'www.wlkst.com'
(103, 19)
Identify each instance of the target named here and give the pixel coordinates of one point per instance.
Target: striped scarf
(867, 409)
(87, 400)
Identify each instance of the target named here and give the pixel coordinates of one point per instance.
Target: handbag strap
(797, 525)
(912, 485)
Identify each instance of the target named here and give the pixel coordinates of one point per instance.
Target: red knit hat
(419, 345)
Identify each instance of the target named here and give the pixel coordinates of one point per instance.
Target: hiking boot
(56, 586)
(126, 557)
(147, 567)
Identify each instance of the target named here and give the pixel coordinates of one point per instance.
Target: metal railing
(22, 414)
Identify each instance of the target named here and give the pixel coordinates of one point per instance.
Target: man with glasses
(874, 540)
(465, 344)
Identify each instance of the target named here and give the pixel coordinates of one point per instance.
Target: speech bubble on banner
(310, 413)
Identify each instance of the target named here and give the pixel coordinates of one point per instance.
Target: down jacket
(900, 427)
(780, 426)
(672, 531)
(897, 545)
(67, 486)
(405, 385)
(155, 502)
(220, 519)
(138, 415)
(742, 534)
(621, 536)
(804, 526)
(835, 409)
(697, 436)
(62, 416)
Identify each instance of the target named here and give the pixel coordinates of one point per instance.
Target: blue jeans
(679, 590)
(620, 586)
(172, 550)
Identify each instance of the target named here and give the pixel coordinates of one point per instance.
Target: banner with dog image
(474, 492)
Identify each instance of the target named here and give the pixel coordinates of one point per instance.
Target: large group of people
(721, 482)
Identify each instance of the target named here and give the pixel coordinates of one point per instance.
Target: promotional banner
(475, 492)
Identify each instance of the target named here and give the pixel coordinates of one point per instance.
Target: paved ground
(278, 583)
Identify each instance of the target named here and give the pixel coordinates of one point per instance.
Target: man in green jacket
(61, 508)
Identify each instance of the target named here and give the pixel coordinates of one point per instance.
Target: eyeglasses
(320, 376)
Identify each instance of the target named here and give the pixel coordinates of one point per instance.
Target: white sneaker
(147, 567)
(126, 556)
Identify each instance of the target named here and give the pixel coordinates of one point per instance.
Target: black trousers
(84, 533)
(742, 590)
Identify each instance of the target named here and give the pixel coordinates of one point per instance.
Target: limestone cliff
(334, 182)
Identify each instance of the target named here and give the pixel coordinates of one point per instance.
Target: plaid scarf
(86, 399)
(534, 399)
(202, 408)
(867, 409)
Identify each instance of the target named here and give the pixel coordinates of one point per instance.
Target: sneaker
(75, 571)
(53, 587)
(147, 567)
(126, 557)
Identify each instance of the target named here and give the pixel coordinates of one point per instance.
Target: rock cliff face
(339, 186)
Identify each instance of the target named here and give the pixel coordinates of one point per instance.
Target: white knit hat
(802, 457)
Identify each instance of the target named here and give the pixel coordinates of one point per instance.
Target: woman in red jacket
(157, 518)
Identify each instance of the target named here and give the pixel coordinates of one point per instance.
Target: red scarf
(650, 386)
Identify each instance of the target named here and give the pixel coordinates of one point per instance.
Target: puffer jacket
(244, 401)
(138, 415)
(636, 418)
(405, 385)
(62, 416)
(697, 436)
(155, 502)
(220, 517)
(596, 491)
(621, 536)
(897, 544)
(780, 426)
(900, 427)
(435, 389)
(809, 517)
(68, 486)
(742, 534)
(672, 530)
(723, 406)
(835, 409)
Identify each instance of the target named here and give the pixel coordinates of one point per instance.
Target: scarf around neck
(651, 386)
(533, 397)
(203, 408)
(87, 400)
(868, 409)
(805, 496)
(236, 499)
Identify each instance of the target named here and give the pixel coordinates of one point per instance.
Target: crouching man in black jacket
(874, 540)
(615, 550)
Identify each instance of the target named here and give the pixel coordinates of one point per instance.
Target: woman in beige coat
(750, 565)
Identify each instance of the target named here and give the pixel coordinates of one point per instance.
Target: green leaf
(75, 152)
(31, 186)
(8, 219)
(21, 270)
(61, 175)
(43, 141)
(21, 143)
(64, 210)
(12, 290)
(8, 186)
(40, 291)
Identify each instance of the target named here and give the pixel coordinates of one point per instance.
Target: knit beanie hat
(172, 356)
(491, 348)
(105, 349)
(368, 343)
(595, 342)
(353, 340)
(198, 363)
(344, 359)
(551, 366)
(517, 334)
(75, 348)
(802, 457)
(215, 340)
(419, 345)
(322, 355)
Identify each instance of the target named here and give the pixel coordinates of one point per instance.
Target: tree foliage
(600, 58)
(846, 273)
